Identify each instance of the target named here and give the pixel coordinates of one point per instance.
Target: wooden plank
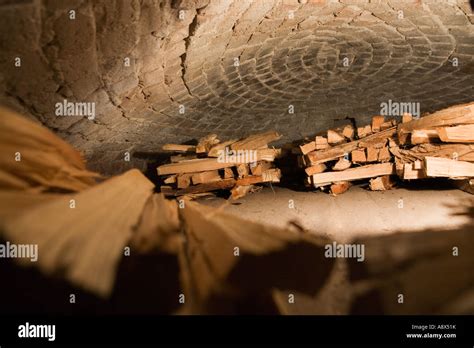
(178, 148)
(350, 174)
(256, 141)
(444, 167)
(457, 134)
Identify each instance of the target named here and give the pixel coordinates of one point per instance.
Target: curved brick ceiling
(328, 59)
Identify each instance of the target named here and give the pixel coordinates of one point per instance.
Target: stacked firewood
(235, 165)
(436, 145)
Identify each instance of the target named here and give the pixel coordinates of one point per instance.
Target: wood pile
(437, 145)
(235, 165)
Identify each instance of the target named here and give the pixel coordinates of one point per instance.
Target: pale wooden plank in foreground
(355, 173)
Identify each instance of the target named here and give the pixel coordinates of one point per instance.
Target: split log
(340, 187)
(445, 167)
(350, 174)
(321, 143)
(358, 156)
(381, 183)
(342, 164)
(377, 122)
(364, 131)
(372, 154)
(457, 134)
(317, 168)
(305, 148)
(335, 138)
(384, 155)
(348, 132)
